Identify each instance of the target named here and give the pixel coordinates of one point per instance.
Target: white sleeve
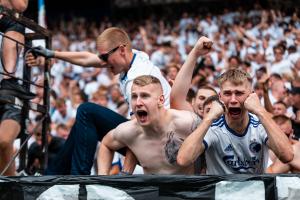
(54, 117)
(262, 134)
(209, 138)
(128, 93)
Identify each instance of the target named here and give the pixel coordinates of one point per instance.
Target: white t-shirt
(59, 119)
(160, 59)
(141, 65)
(284, 66)
(230, 153)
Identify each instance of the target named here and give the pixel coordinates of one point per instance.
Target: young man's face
(62, 109)
(198, 101)
(287, 128)
(145, 102)
(279, 109)
(234, 97)
(278, 54)
(112, 57)
(172, 73)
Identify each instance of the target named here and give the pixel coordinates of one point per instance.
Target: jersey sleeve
(127, 92)
(260, 128)
(210, 138)
(262, 134)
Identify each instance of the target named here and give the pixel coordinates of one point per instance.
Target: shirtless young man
(236, 141)
(285, 125)
(154, 136)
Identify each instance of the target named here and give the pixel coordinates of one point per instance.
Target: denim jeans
(91, 125)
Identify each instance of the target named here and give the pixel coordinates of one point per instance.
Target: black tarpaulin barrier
(151, 187)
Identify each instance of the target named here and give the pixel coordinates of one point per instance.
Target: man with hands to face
(235, 139)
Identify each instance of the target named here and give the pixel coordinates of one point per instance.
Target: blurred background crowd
(262, 40)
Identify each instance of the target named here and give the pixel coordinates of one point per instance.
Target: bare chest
(158, 154)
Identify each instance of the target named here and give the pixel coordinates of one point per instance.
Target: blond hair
(113, 37)
(235, 76)
(146, 80)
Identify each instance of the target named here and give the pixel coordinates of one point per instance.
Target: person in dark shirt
(36, 155)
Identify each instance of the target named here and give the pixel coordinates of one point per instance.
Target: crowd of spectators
(263, 42)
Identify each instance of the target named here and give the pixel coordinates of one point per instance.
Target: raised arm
(84, 58)
(267, 102)
(184, 77)
(108, 146)
(193, 145)
(277, 140)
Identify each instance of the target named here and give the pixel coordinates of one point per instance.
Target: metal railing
(38, 34)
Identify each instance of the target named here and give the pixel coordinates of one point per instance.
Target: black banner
(151, 187)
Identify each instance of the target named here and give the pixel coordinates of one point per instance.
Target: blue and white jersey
(228, 152)
(141, 65)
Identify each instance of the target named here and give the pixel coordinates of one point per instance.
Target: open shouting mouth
(142, 115)
(234, 112)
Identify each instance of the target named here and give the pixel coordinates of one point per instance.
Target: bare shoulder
(184, 115)
(185, 119)
(125, 125)
(127, 130)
